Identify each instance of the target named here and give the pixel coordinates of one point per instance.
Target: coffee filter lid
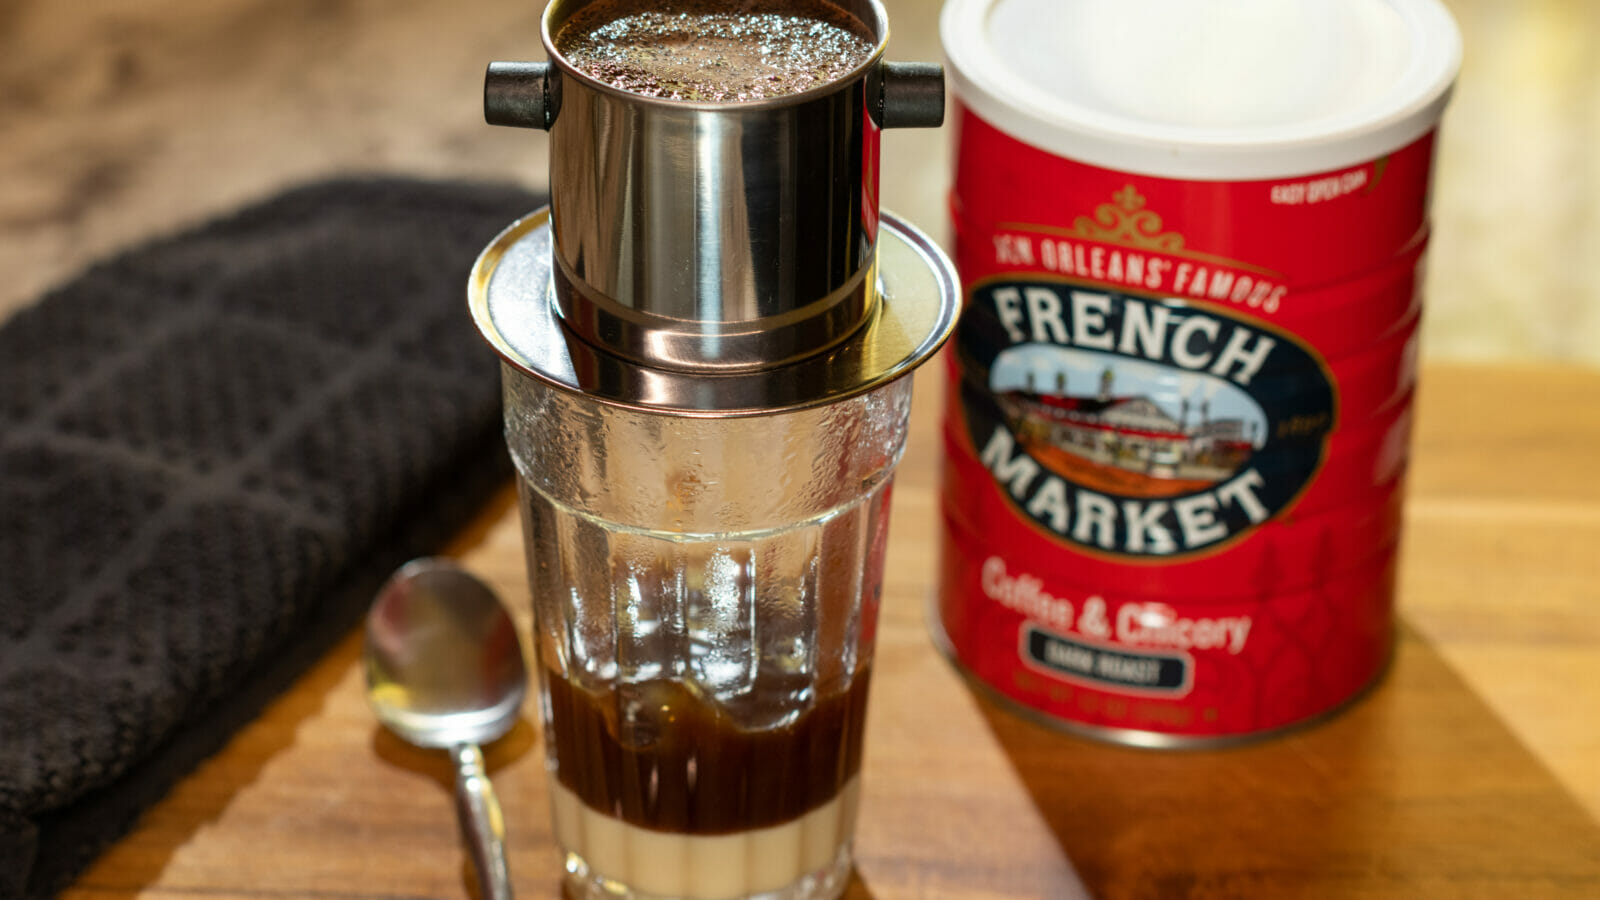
(1205, 89)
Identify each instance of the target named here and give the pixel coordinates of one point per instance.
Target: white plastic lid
(1205, 89)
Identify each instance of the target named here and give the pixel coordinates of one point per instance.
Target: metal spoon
(445, 669)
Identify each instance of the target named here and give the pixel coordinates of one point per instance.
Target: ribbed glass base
(826, 883)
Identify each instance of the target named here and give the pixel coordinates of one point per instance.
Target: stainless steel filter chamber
(715, 237)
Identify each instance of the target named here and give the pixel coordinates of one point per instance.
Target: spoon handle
(481, 823)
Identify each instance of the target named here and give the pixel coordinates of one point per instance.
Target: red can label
(1176, 435)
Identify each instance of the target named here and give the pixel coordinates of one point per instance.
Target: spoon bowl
(444, 665)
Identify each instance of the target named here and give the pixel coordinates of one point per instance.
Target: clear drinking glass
(705, 596)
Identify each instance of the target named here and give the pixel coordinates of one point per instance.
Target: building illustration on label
(1136, 429)
(1139, 426)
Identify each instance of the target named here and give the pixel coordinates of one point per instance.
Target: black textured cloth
(213, 449)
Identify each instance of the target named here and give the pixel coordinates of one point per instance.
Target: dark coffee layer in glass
(685, 766)
(710, 51)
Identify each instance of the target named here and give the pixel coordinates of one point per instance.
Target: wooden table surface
(1419, 790)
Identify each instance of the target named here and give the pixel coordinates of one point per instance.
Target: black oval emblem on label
(1139, 426)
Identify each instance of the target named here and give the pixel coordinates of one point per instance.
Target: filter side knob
(519, 94)
(913, 95)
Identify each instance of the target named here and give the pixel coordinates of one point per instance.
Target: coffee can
(1190, 237)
